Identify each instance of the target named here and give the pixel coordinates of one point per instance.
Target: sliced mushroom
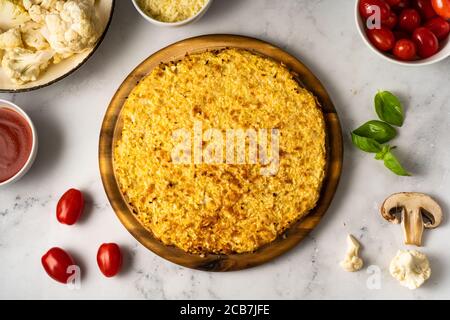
(415, 211)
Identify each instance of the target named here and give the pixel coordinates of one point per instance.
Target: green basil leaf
(392, 163)
(389, 108)
(377, 130)
(366, 144)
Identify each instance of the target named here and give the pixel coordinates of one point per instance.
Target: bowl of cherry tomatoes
(406, 32)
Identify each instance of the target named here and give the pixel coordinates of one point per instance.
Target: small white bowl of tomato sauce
(414, 34)
(18, 143)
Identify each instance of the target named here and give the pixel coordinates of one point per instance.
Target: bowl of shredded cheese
(172, 13)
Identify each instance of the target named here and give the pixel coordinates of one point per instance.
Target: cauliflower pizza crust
(219, 208)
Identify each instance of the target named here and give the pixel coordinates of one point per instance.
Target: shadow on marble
(217, 9)
(127, 260)
(79, 259)
(89, 208)
(50, 145)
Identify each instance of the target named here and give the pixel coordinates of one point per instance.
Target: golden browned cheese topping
(220, 207)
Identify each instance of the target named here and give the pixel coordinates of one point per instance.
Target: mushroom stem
(413, 226)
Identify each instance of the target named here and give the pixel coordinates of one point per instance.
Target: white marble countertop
(68, 116)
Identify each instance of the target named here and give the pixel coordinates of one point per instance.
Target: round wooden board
(111, 129)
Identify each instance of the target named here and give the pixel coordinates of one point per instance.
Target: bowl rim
(419, 63)
(78, 66)
(12, 106)
(172, 24)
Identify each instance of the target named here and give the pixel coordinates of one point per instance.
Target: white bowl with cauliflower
(172, 13)
(42, 41)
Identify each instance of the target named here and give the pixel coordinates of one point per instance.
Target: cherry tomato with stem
(56, 263)
(70, 207)
(425, 8)
(405, 49)
(383, 38)
(426, 42)
(109, 259)
(439, 27)
(409, 20)
(442, 8)
(368, 7)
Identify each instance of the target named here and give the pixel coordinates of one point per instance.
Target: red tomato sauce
(16, 140)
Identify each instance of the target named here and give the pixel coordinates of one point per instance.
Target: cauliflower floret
(23, 65)
(12, 14)
(32, 36)
(38, 9)
(72, 27)
(11, 39)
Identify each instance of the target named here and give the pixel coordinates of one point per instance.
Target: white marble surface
(68, 116)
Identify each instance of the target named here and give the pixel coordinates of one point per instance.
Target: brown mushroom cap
(412, 200)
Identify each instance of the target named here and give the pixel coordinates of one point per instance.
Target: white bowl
(441, 55)
(194, 18)
(34, 146)
(57, 72)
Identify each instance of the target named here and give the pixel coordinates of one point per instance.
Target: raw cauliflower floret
(71, 27)
(32, 36)
(38, 9)
(11, 39)
(23, 65)
(12, 14)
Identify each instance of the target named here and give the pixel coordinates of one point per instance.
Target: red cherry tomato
(402, 4)
(442, 8)
(439, 27)
(391, 22)
(425, 8)
(405, 49)
(109, 259)
(383, 39)
(426, 42)
(56, 263)
(366, 8)
(70, 207)
(409, 20)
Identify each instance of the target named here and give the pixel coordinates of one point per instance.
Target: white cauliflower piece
(71, 27)
(11, 39)
(38, 9)
(23, 65)
(411, 268)
(32, 36)
(12, 14)
(352, 262)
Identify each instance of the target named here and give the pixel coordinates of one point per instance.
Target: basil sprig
(371, 136)
(389, 108)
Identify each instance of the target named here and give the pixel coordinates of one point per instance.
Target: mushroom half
(415, 211)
